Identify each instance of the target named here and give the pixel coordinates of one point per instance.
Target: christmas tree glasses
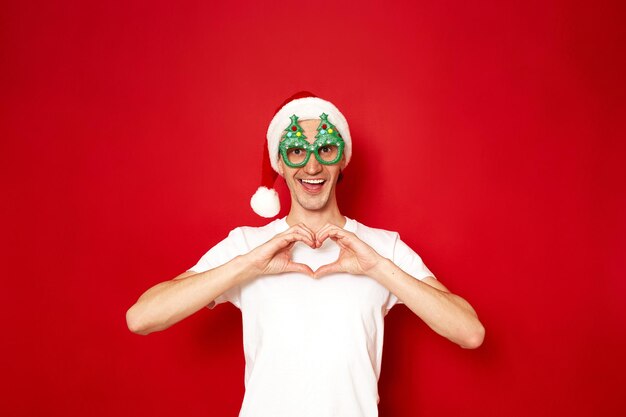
(296, 150)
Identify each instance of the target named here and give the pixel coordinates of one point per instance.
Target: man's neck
(315, 219)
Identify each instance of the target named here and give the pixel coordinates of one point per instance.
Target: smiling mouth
(312, 185)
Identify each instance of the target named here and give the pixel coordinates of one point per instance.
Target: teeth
(313, 181)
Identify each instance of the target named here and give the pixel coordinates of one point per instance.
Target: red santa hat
(305, 105)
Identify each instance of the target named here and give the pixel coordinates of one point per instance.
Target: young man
(313, 287)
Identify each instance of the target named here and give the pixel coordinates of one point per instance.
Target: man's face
(313, 185)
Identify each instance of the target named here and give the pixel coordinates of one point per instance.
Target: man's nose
(313, 166)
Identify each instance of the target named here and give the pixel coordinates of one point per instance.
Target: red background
(489, 134)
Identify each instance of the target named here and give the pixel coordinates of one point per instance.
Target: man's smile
(313, 185)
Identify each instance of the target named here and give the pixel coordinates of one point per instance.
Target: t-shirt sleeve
(410, 262)
(218, 255)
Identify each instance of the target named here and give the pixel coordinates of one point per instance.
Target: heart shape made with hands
(355, 256)
(317, 257)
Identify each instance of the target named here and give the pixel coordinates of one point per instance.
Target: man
(313, 287)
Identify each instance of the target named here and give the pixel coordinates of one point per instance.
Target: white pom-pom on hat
(265, 202)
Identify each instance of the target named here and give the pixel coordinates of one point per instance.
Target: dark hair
(340, 177)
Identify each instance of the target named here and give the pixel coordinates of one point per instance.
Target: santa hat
(305, 105)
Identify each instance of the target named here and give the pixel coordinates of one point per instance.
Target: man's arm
(171, 301)
(447, 314)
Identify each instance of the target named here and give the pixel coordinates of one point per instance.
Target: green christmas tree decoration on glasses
(296, 150)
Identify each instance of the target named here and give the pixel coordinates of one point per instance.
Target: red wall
(488, 134)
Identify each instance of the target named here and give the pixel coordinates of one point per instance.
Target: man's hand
(274, 256)
(355, 256)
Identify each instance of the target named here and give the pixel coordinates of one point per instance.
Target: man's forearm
(447, 314)
(171, 301)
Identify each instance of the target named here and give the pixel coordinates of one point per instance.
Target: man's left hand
(355, 256)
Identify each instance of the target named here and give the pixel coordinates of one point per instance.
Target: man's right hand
(274, 256)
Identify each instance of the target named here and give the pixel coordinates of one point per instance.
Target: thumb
(298, 267)
(328, 269)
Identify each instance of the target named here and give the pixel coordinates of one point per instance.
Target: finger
(302, 231)
(301, 226)
(321, 235)
(328, 269)
(292, 237)
(334, 233)
(314, 234)
(326, 227)
(286, 242)
(308, 230)
(298, 267)
(340, 243)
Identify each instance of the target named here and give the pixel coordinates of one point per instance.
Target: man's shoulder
(375, 235)
(376, 230)
(252, 234)
(269, 227)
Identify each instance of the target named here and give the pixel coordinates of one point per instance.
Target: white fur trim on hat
(265, 202)
(305, 108)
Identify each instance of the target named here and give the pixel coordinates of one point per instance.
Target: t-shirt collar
(281, 225)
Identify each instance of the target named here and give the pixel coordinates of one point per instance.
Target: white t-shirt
(313, 347)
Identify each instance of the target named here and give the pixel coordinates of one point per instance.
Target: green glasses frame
(311, 148)
(294, 139)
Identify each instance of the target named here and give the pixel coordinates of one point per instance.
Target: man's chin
(313, 204)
